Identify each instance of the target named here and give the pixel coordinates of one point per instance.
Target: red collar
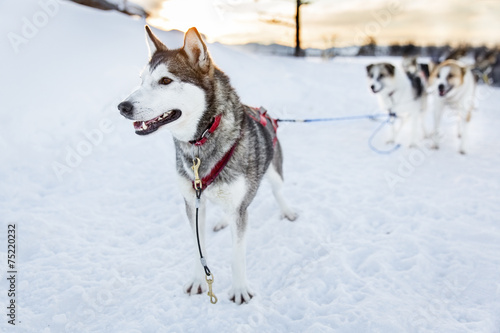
(217, 169)
(206, 134)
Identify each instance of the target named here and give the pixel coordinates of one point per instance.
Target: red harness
(259, 115)
(209, 179)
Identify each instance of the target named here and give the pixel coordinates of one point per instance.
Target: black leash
(202, 259)
(209, 276)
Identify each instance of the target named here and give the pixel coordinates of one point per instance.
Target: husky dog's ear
(434, 73)
(390, 69)
(154, 44)
(463, 70)
(196, 50)
(432, 66)
(369, 68)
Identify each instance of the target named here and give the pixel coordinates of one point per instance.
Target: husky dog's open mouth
(443, 91)
(149, 126)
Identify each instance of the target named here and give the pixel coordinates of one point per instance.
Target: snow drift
(402, 243)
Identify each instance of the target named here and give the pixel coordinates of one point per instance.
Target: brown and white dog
(398, 94)
(452, 84)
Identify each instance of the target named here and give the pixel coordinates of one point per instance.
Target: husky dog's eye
(164, 81)
(450, 76)
(381, 76)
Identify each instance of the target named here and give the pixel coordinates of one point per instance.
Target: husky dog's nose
(441, 87)
(373, 87)
(126, 109)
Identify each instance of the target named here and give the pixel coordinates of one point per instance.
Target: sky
(328, 23)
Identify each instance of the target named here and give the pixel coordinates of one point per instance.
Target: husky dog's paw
(195, 287)
(390, 142)
(240, 295)
(289, 215)
(221, 225)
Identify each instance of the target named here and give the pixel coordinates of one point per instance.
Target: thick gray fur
(253, 155)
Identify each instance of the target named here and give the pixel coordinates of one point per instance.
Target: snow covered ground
(103, 243)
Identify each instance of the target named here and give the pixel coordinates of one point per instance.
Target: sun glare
(182, 15)
(244, 21)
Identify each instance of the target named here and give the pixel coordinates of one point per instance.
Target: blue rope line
(389, 116)
(364, 116)
(375, 132)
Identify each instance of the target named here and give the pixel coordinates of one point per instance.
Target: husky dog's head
(173, 89)
(380, 76)
(447, 75)
(410, 65)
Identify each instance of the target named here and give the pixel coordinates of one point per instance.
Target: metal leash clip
(213, 298)
(197, 182)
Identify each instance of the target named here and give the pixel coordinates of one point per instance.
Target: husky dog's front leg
(392, 136)
(415, 118)
(396, 126)
(438, 114)
(239, 292)
(464, 124)
(423, 113)
(197, 284)
(422, 124)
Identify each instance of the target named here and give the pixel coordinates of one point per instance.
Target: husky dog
(487, 66)
(417, 72)
(183, 91)
(453, 85)
(399, 95)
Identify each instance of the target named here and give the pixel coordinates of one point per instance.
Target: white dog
(399, 94)
(453, 85)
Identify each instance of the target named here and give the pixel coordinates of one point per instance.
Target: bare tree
(329, 48)
(369, 48)
(298, 50)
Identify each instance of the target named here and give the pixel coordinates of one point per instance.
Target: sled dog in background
(418, 73)
(453, 85)
(184, 92)
(400, 95)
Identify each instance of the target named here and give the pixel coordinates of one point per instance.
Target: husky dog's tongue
(149, 126)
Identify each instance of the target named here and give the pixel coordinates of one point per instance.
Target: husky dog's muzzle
(443, 90)
(375, 90)
(149, 126)
(126, 109)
